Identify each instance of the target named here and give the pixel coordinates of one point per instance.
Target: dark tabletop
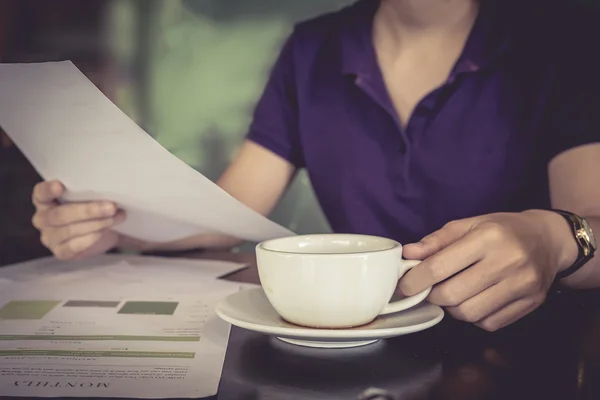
(554, 353)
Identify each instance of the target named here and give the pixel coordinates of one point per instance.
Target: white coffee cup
(333, 280)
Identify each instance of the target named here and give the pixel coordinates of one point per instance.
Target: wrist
(563, 246)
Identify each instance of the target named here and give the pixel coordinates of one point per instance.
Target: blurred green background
(207, 63)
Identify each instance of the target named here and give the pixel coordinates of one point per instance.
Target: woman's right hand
(75, 230)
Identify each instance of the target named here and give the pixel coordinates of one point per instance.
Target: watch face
(590, 233)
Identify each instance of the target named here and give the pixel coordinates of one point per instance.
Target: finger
(492, 300)
(71, 248)
(511, 313)
(466, 284)
(442, 265)
(45, 194)
(77, 212)
(78, 229)
(438, 240)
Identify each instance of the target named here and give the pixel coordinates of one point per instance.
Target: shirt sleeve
(275, 119)
(579, 121)
(575, 101)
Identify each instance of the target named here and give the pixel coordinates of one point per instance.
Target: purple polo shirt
(479, 144)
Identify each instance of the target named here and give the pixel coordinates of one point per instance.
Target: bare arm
(256, 177)
(575, 186)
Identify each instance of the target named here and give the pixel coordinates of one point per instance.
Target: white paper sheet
(123, 267)
(70, 131)
(96, 340)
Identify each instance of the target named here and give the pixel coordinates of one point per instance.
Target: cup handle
(407, 302)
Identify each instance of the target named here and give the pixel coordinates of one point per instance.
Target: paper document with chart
(70, 131)
(118, 268)
(159, 340)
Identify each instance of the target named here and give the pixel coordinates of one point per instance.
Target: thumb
(45, 194)
(438, 240)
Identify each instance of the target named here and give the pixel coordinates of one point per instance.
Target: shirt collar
(357, 52)
(487, 41)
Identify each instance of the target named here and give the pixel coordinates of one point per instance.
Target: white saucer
(250, 309)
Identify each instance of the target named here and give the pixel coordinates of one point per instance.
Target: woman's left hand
(494, 269)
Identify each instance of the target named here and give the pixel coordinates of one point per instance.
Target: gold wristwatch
(584, 237)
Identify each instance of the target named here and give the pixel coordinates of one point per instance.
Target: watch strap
(580, 262)
(581, 259)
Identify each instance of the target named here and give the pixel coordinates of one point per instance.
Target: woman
(456, 117)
